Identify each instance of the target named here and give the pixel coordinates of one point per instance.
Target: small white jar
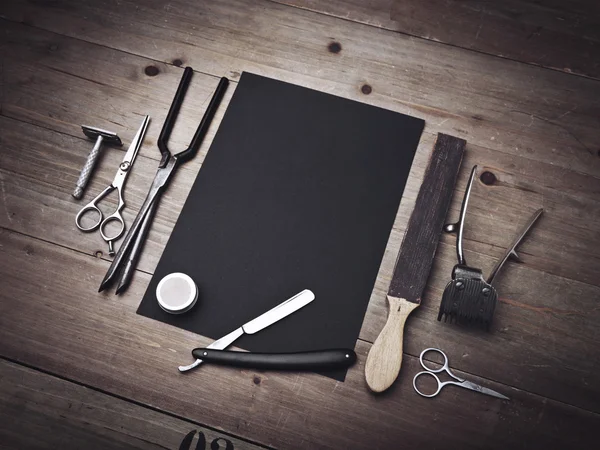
(176, 293)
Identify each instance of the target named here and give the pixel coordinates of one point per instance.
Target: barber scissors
(459, 381)
(118, 183)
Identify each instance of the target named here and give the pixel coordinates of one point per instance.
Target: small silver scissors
(117, 184)
(459, 381)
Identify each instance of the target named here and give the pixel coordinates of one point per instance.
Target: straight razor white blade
(279, 312)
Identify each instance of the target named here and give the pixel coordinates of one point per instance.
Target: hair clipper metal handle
(460, 225)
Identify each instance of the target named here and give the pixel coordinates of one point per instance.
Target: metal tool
(118, 183)
(468, 298)
(136, 249)
(445, 368)
(168, 164)
(101, 136)
(261, 322)
(415, 259)
(316, 360)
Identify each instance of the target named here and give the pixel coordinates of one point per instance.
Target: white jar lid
(176, 293)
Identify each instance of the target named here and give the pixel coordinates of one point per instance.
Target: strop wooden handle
(385, 358)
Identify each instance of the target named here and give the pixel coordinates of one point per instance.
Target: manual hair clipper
(469, 299)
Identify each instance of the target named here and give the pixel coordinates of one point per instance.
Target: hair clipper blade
(468, 299)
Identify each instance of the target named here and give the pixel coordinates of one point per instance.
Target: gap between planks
(235, 82)
(369, 343)
(95, 44)
(423, 38)
(320, 13)
(129, 400)
(149, 273)
(346, 19)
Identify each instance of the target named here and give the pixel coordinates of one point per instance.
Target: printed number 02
(186, 443)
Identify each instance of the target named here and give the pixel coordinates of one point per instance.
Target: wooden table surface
(519, 80)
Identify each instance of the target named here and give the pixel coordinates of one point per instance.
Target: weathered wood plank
(502, 105)
(71, 59)
(40, 411)
(52, 81)
(567, 238)
(559, 35)
(536, 306)
(535, 309)
(556, 315)
(29, 97)
(99, 340)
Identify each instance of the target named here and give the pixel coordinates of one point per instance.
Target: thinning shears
(445, 368)
(117, 184)
(133, 241)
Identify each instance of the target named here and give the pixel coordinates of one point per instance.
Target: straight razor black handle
(314, 360)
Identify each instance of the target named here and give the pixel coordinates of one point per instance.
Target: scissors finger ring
(115, 217)
(425, 372)
(90, 207)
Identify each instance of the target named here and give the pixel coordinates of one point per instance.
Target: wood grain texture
(427, 220)
(40, 164)
(560, 35)
(535, 130)
(50, 318)
(502, 105)
(533, 188)
(385, 357)
(40, 411)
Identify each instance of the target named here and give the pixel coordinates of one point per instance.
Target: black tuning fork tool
(468, 298)
(131, 247)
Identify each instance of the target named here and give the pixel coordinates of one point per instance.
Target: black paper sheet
(299, 190)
